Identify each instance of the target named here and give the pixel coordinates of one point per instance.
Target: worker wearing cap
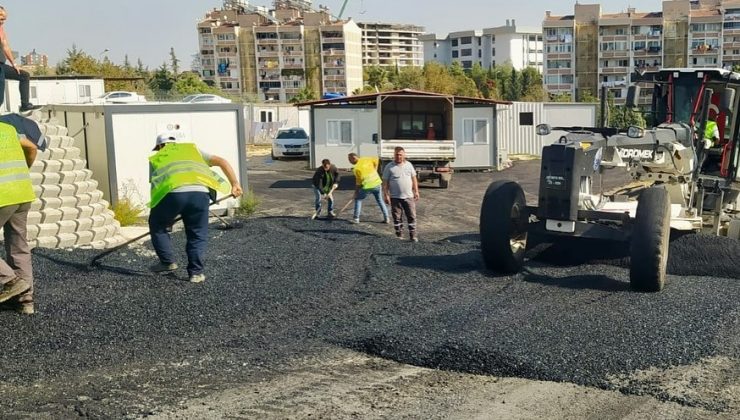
(17, 154)
(180, 181)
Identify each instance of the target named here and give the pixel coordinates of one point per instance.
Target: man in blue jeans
(367, 181)
(325, 181)
(181, 178)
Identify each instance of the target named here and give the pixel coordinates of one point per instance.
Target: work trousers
(17, 252)
(317, 195)
(23, 78)
(362, 194)
(193, 207)
(399, 207)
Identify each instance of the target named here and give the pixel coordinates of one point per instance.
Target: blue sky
(147, 29)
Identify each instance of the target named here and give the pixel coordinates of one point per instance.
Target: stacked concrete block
(69, 210)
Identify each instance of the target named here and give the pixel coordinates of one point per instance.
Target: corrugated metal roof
(402, 92)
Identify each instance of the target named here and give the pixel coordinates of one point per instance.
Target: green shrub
(247, 204)
(126, 212)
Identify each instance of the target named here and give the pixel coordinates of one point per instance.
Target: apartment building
(590, 49)
(520, 46)
(273, 55)
(35, 59)
(391, 45)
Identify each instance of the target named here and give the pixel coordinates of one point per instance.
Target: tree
(162, 81)
(377, 78)
(174, 62)
(438, 79)
(78, 62)
(410, 78)
(303, 95)
(189, 83)
(126, 63)
(621, 116)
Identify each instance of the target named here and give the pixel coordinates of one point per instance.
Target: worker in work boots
(180, 179)
(367, 181)
(9, 69)
(325, 181)
(17, 154)
(401, 191)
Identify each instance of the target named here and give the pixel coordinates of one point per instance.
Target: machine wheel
(503, 227)
(650, 237)
(444, 183)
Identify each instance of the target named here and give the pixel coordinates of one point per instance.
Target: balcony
(705, 50)
(614, 70)
(267, 41)
(333, 52)
(615, 54)
(334, 77)
(268, 53)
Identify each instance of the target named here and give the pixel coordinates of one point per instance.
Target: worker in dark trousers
(16, 194)
(9, 69)
(325, 181)
(180, 181)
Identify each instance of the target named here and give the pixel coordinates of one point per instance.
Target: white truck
(422, 124)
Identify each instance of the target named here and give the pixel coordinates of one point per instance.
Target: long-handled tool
(96, 259)
(346, 205)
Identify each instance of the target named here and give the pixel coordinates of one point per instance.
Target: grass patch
(126, 212)
(248, 204)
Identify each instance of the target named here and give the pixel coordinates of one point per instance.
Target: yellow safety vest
(15, 179)
(709, 131)
(366, 173)
(178, 165)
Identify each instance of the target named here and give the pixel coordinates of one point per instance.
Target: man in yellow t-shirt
(367, 181)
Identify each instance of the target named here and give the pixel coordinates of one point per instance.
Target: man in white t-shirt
(401, 191)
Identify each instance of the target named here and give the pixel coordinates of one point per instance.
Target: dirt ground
(347, 384)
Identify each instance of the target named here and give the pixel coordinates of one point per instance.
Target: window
(84, 91)
(526, 118)
(466, 52)
(466, 40)
(454, 42)
(454, 54)
(339, 132)
(32, 92)
(265, 116)
(475, 131)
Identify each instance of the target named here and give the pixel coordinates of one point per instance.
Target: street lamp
(103, 52)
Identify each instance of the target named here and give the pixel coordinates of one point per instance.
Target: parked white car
(205, 98)
(119, 97)
(290, 142)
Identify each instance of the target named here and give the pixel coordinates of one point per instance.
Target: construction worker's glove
(707, 144)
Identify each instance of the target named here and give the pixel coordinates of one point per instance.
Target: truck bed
(418, 150)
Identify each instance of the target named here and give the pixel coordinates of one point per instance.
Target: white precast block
(51, 129)
(43, 155)
(98, 245)
(71, 153)
(112, 230)
(58, 153)
(86, 211)
(37, 167)
(67, 165)
(109, 217)
(34, 218)
(67, 141)
(70, 213)
(52, 165)
(54, 141)
(62, 130)
(50, 191)
(66, 240)
(52, 178)
(37, 191)
(98, 221)
(96, 196)
(114, 241)
(83, 224)
(47, 242)
(84, 175)
(83, 199)
(51, 215)
(67, 177)
(36, 205)
(47, 229)
(84, 237)
(67, 226)
(66, 190)
(78, 164)
(69, 201)
(99, 233)
(32, 232)
(51, 203)
(98, 208)
(36, 178)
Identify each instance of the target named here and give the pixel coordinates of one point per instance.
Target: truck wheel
(503, 227)
(650, 236)
(444, 183)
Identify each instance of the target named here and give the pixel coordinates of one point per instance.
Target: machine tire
(503, 227)
(444, 183)
(650, 238)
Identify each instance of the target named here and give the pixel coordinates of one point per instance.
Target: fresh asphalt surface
(119, 342)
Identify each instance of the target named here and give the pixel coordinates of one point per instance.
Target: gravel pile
(282, 288)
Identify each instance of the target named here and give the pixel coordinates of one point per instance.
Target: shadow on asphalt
(591, 282)
(460, 263)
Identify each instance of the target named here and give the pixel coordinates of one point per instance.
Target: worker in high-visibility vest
(17, 154)
(180, 180)
(711, 134)
(367, 181)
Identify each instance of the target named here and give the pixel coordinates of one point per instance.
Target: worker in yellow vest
(180, 180)
(17, 154)
(367, 181)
